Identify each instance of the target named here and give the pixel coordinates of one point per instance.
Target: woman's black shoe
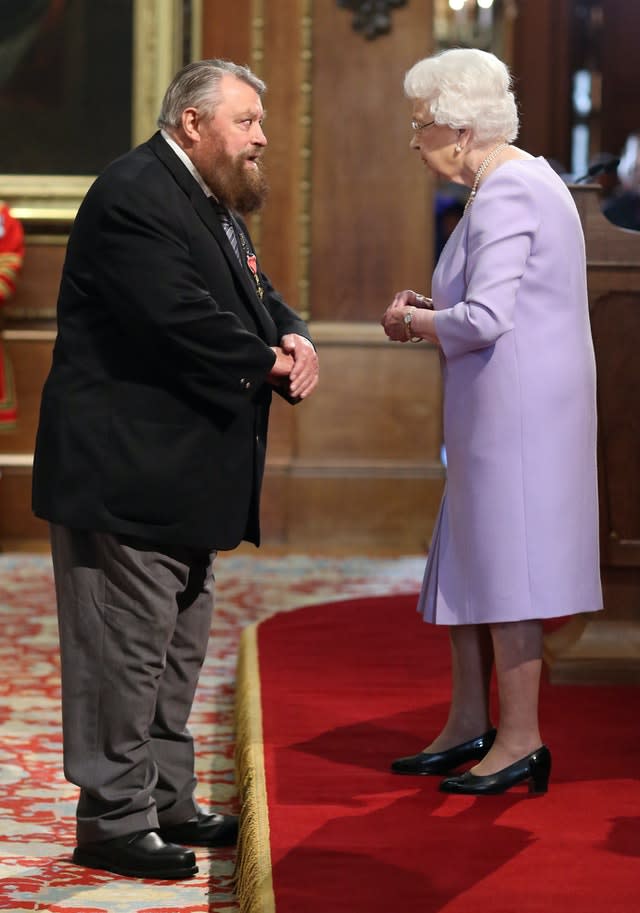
(535, 768)
(441, 762)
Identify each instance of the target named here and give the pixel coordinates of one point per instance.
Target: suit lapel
(206, 212)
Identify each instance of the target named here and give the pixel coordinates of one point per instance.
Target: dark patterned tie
(240, 244)
(229, 228)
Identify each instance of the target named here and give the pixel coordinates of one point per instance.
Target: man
(150, 454)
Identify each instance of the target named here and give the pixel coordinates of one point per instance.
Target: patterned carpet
(37, 804)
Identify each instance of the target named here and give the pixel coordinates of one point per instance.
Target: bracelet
(407, 324)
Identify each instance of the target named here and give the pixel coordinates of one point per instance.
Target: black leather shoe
(534, 768)
(143, 854)
(204, 830)
(441, 762)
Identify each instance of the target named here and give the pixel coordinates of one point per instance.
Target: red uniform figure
(11, 256)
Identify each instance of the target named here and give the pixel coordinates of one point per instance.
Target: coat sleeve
(284, 317)
(503, 223)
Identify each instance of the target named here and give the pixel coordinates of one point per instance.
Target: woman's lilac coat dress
(517, 533)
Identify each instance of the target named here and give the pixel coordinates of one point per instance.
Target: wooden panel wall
(371, 211)
(37, 289)
(621, 72)
(30, 355)
(349, 220)
(541, 77)
(28, 337)
(544, 42)
(358, 464)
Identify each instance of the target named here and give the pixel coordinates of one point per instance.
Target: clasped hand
(296, 366)
(393, 319)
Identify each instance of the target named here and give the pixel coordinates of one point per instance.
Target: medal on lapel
(252, 263)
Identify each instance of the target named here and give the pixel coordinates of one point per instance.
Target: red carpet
(345, 687)
(37, 805)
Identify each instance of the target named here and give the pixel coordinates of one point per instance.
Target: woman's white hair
(466, 88)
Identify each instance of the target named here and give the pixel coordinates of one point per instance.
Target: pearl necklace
(481, 170)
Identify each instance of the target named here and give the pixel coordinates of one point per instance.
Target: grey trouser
(134, 620)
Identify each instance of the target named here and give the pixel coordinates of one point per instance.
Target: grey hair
(197, 86)
(466, 88)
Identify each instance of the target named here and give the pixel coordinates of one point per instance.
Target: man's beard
(234, 184)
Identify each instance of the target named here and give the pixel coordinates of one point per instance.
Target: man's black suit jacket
(154, 416)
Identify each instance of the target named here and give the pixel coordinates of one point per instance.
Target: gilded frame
(42, 201)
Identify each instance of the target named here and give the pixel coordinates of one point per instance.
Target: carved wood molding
(371, 17)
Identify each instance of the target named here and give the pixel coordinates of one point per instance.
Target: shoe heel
(539, 771)
(538, 786)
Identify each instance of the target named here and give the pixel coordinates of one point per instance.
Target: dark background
(66, 106)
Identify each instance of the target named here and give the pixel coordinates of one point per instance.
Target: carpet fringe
(253, 878)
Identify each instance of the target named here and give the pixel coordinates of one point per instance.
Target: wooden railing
(606, 647)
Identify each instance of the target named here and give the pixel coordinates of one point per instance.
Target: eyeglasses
(416, 126)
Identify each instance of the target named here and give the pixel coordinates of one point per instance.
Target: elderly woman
(516, 539)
